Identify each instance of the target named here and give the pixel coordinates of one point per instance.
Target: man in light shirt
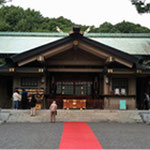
(16, 98)
(53, 109)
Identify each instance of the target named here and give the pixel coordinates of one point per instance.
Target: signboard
(38, 106)
(122, 104)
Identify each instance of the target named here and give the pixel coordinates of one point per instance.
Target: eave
(88, 45)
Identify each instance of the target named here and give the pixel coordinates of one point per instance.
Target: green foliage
(4, 26)
(123, 27)
(17, 19)
(105, 27)
(141, 6)
(2, 2)
(128, 27)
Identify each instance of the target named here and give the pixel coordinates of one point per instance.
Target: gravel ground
(122, 136)
(48, 135)
(30, 135)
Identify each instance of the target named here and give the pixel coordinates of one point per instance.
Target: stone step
(145, 117)
(91, 115)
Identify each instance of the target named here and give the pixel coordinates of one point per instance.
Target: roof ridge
(120, 35)
(38, 34)
(55, 34)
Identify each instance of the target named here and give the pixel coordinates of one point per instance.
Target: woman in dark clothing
(33, 104)
(24, 99)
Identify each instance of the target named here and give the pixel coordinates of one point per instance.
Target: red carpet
(78, 135)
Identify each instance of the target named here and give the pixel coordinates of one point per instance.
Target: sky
(87, 12)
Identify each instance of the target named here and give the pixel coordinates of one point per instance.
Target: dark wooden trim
(74, 70)
(119, 95)
(74, 63)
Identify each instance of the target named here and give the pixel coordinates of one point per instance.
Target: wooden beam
(93, 50)
(121, 73)
(123, 62)
(58, 50)
(47, 54)
(28, 70)
(75, 62)
(74, 70)
(101, 54)
(26, 61)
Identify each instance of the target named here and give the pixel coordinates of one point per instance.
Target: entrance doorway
(6, 91)
(77, 86)
(143, 86)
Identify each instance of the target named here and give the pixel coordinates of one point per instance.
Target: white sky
(87, 12)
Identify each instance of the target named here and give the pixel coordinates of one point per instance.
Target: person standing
(53, 109)
(146, 101)
(24, 99)
(33, 105)
(16, 98)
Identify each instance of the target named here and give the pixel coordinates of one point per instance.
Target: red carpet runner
(78, 135)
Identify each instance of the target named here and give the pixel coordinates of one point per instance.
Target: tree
(105, 27)
(4, 26)
(17, 19)
(4, 1)
(11, 16)
(128, 27)
(141, 6)
(122, 27)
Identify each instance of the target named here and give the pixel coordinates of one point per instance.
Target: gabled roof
(76, 36)
(40, 49)
(18, 42)
(15, 43)
(111, 50)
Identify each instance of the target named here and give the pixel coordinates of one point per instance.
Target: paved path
(48, 135)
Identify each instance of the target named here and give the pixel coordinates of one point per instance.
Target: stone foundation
(120, 116)
(114, 102)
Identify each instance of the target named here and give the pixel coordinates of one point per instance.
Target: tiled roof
(18, 42)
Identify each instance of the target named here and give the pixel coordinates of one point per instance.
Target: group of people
(25, 103)
(20, 99)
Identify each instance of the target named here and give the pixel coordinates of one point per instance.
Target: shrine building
(91, 71)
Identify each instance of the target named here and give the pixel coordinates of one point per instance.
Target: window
(67, 88)
(80, 89)
(29, 81)
(64, 88)
(74, 88)
(58, 89)
(120, 86)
